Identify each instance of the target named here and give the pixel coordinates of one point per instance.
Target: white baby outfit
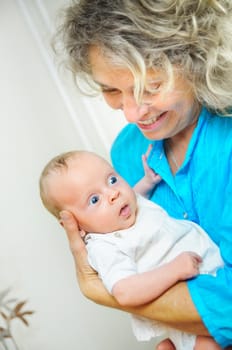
(153, 240)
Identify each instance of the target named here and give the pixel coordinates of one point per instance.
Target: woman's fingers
(85, 274)
(74, 236)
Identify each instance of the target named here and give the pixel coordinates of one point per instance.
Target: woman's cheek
(113, 101)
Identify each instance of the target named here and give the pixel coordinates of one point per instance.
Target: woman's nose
(134, 111)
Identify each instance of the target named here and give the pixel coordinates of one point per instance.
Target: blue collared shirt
(201, 191)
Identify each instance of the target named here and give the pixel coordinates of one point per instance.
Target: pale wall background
(41, 115)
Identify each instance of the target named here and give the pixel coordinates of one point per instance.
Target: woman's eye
(110, 91)
(93, 200)
(155, 86)
(148, 93)
(112, 180)
(152, 88)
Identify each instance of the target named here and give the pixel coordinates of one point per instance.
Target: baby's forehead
(91, 159)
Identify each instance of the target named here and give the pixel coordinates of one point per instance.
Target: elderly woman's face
(161, 114)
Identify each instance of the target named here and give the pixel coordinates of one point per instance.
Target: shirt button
(117, 234)
(185, 215)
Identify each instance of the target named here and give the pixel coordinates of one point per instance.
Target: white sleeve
(111, 264)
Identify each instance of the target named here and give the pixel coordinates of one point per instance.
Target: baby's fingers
(145, 165)
(148, 150)
(196, 257)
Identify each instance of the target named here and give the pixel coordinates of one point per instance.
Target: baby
(138, 250)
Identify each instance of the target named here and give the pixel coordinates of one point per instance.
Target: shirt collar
(157, 159)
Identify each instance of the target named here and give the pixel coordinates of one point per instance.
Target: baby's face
(96, 195)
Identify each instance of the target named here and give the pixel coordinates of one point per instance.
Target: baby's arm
(174, 308)
(146, 185)
(142, 288)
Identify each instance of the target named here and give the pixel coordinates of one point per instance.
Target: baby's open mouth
(125, 211)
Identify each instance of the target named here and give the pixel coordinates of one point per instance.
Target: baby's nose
(113, 195)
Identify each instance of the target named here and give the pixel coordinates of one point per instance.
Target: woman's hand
(174, 307)
(90, 284)
(74, 234)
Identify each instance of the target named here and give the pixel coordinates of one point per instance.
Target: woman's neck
(176, 147)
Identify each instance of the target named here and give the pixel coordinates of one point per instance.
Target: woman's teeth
(148, 121)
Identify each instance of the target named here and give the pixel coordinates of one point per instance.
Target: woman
(168, 66)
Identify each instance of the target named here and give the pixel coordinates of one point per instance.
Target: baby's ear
(61, 222)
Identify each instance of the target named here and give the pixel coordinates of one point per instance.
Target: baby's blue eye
(94, 199)
(113, 179)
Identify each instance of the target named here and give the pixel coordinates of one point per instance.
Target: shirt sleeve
(225, 225)
(111, 264)
(212, 295)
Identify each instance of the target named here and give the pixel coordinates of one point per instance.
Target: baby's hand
(187, 265)
(150, 175)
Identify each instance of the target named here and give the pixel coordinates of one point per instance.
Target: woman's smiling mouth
(148, 123)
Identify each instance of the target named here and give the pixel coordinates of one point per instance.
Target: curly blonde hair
(194, 35)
